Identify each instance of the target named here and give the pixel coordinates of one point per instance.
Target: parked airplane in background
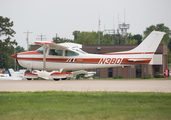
(69, 56)
(13, 75)
(90, 74)
(83, 73)
(49, 75)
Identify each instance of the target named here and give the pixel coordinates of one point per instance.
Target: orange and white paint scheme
(69, 56)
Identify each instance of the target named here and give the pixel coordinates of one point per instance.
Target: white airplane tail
(11, 72)
(150, 43)
(16, 74)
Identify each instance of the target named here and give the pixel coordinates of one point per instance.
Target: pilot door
(54, 60)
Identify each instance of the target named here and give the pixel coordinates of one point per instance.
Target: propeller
(16, 60)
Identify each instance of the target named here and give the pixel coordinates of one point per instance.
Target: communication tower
(27, 39)
(121, 30)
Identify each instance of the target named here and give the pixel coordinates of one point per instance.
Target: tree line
(91, 38)
(8, 46)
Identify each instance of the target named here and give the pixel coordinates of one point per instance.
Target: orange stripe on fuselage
(78, 60)
(84, 60)
(29, 52)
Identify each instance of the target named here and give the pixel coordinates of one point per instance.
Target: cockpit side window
(56, 52)
(70, 53)
(40, 50)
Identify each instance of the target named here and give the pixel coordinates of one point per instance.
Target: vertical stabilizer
(11, 72)
(150, 43)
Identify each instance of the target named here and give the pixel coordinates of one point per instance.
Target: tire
(63, 78)
(29, 78)
(56, 79)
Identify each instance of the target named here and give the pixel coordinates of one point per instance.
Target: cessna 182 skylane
(69, 56)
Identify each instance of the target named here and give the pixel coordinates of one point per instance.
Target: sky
(62, 17)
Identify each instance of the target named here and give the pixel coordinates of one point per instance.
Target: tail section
(147, 48)
(150, 43)
(11, 72)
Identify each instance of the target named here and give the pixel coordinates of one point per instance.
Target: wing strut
(44, 56)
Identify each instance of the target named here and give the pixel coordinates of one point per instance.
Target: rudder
(150, 43)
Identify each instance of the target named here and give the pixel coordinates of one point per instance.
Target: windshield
(79, 50)
(40, 50)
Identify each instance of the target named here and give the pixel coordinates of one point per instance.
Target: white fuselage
(34, 60)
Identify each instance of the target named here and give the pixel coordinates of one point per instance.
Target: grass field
(84, 106)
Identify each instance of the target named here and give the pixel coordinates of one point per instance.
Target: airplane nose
(14, 56)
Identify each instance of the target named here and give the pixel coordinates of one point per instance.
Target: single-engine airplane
(69, 56)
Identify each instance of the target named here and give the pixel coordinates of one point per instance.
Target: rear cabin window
(55, 52)
(70, 53)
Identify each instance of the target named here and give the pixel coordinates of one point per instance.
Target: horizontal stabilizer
(135, 60)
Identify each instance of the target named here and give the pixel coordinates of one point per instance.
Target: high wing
(60, 45)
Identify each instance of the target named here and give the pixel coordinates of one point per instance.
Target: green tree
(169, 45)
(137, 37)
(159, 27)
(106, 40)
(61, 40)
(87, 38)
(134, 39)
(5, 27)
(6, 45)
(76, 33)
(19, 49)
(132, 42)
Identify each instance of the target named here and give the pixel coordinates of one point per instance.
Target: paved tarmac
(87, 85)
